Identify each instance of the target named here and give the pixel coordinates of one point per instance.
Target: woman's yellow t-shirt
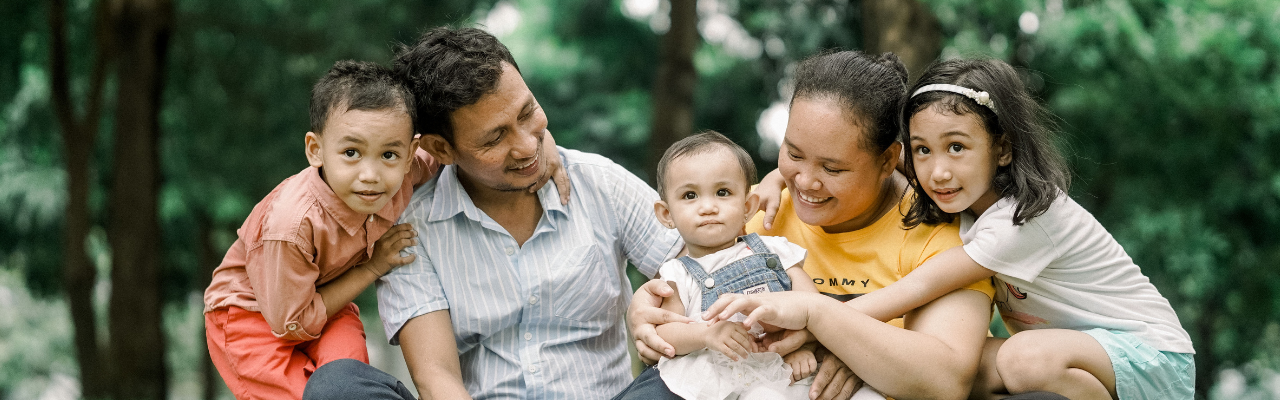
(845, 265)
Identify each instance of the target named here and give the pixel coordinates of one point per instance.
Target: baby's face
(706, 199)
(364, 155)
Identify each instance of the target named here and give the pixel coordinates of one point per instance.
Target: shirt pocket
(583, 289)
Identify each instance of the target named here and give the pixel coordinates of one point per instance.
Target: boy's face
(363, 155)
(707, 200)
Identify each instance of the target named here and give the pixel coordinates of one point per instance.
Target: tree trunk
(142, 30)
(674, 84)
(904, 27)
(78, 136)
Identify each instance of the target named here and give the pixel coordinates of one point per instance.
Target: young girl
(1086, 322)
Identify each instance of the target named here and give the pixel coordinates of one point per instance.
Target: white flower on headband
(982, 98)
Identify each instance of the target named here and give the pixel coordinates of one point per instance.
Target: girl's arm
(949, 270)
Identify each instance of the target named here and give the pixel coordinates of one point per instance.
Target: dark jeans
(647, 386)
(351, 379)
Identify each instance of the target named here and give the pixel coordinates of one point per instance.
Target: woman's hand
(770, 192)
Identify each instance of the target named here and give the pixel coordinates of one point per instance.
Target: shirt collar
(450, 198)
(348, 219)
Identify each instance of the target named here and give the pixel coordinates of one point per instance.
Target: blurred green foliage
(1169, 109)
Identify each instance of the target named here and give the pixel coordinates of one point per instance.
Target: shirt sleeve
(283, 277)
(424, 168)
(1018, 251)
(409, 291)
(646, 242)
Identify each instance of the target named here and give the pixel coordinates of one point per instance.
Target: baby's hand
(386, 251)
(803, 363)
(770, 192)
(731, 339)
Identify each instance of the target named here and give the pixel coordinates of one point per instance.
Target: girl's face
(835, 182)
(955, 160)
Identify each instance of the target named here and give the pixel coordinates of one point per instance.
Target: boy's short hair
(700, 143)
(359, 85)
(447, 69)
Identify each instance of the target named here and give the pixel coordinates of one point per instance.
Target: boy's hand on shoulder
(551, 156)
(730, 338)
(386, 251)
(803, 363)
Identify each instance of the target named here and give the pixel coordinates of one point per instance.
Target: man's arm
(432, 355)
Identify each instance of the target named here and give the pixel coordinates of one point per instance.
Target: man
(511, 295)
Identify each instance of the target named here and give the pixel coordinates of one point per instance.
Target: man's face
(364, 155)
(497, 141)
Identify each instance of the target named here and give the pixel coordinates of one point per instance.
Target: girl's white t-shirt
(1063, 270)
(673, 270)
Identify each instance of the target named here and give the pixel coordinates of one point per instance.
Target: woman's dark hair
(357, 85)
(1037, 173)
(448, 69)
(868, 88)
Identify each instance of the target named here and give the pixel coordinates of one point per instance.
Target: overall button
(709, 283)
(528, 336)
(772, 263)
(533, 299)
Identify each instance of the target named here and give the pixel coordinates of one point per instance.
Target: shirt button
(511, 251)
(533, 299)
(709, 283)
(528, 336)
(533, 369)
(292, 327)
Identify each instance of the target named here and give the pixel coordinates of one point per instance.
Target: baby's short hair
(703, 142)
(358, 85)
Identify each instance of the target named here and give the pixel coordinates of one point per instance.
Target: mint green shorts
(1142, 372)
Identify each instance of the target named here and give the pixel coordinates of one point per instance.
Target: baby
(704, 183)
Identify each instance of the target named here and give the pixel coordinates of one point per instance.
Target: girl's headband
(982, 98)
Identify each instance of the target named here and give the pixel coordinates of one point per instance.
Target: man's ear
(889, 159)
(753, 204)
(1005, 149)
(314, 149)
(664, 214)
(439, 148)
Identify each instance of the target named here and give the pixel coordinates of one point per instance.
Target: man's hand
(645, 314)
(551, 156)
(731, 339)
(386, 251)
(834, 380)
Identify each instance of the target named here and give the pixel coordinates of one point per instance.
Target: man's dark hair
(447, 69)
(357, 85)
(703, 142)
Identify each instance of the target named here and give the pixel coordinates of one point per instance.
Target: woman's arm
(432, 355)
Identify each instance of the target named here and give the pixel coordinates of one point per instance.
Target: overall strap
(755, 243)
(695, 269)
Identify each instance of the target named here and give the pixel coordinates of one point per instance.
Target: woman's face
(835, 182)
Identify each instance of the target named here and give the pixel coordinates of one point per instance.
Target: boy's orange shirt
(299, 237)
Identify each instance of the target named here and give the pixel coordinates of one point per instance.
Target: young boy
(280, 306)
(704, 182)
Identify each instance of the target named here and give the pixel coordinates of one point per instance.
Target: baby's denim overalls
(757, 273)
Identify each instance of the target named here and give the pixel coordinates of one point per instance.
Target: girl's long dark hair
(1037, 173)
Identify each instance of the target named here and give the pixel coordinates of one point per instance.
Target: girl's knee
(1026, 364)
